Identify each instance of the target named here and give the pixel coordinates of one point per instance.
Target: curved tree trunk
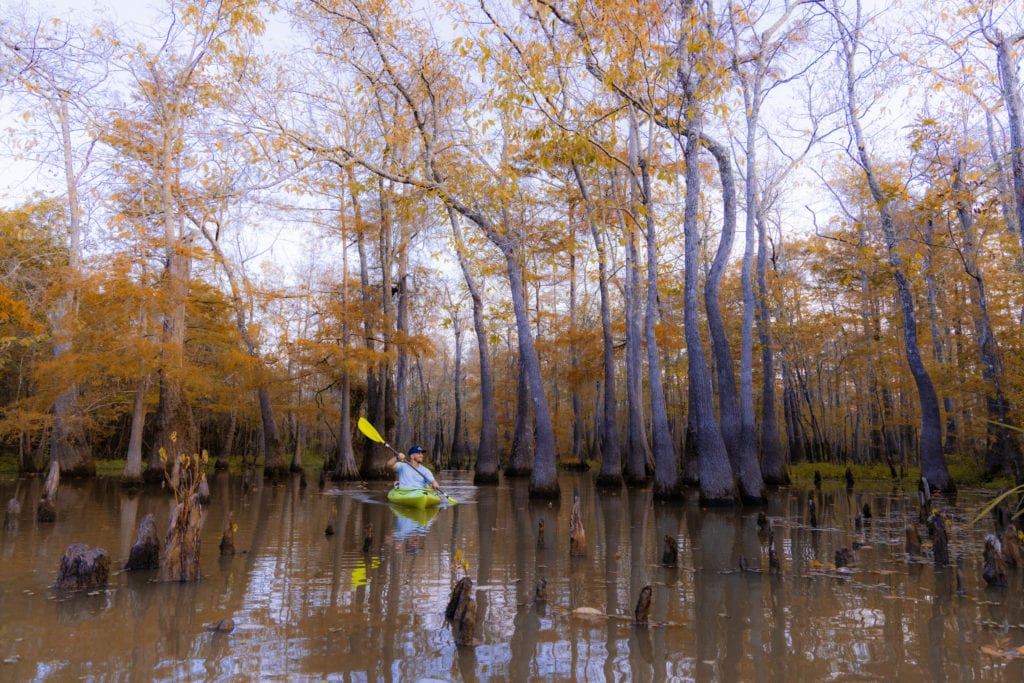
(1010, 86)
(487, 456)
(544, 477)
(1003, 447)
(717, 486)
(933, 462)
(610, 473)
(741, 445)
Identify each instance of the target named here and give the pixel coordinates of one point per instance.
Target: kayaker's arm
(394, 460)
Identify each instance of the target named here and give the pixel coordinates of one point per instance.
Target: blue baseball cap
(415, 449)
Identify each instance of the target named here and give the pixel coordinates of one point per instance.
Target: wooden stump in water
(849, 479)
(227, 539)
(1011, 546)
(670, 555)
(367, 537)
(181, 549)
(46, 512)
(940, 539)
(844, 558)
(812, 511)
(643, 606)
(461, 612)
(817, 480)
(924, 500)
(577, 534)
(145, 552)
(994, 571)
(540, 534)
(83, 568)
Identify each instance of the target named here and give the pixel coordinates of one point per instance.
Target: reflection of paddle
(371, 433)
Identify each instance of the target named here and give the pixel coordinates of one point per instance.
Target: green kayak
(416, 498)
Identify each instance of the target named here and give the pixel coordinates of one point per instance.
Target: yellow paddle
(371, 433)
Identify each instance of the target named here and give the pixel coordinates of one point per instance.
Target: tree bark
(637, 450)
(133, 458)
(67, 438)
(610, 473)
(717, 486)
(666, 465)
(1010, 86)
(740, 444)
(1003, 447)
(933, 462)
(345, 468)
(175, 429)
(520, 463)
(487, 455)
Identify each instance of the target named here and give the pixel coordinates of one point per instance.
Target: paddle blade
(369, 430)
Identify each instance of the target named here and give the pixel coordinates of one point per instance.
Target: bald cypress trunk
(933, 462)
(610, 473)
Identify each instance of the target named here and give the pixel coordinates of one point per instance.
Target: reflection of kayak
(414, 498)
(420, 516)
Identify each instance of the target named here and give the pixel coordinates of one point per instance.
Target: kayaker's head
(416, 454)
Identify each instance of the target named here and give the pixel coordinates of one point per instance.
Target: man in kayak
(412, 473)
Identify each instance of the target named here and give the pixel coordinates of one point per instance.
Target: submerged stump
(227, 539)
(642, 611)
(670, 554)
(83, 568)
(1011, 546)
(145, 552)
(461, 612)
(994, 571)
(181, 550)
(940, 539)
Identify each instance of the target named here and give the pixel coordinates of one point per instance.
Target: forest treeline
(690, 242)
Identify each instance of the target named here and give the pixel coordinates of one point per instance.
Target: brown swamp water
(308, 606)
